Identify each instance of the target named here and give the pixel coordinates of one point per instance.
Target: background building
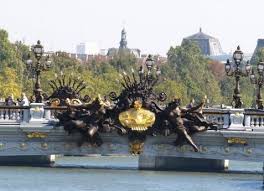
(81, 48)
(123, 47)
(210, 46)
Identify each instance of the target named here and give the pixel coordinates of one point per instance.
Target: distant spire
(123, 42)
(200, 29)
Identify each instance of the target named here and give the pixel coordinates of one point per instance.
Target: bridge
(32, 131)
(132, 122)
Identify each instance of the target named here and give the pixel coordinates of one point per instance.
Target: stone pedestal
(236, 119)
(181, 164)
(36, 112)
(35, 160)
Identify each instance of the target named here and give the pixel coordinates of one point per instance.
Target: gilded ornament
(136, 147)
(37, 109)
(44, 145)
(55, 102)
(137, 118)
(36, 135)
(23, 145)
(236, 140)
(248, 151)
(227, 149)
(2, 145)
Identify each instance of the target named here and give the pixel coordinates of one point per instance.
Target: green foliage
(173, 90)
(187, 74)
(123, 60)
(10, 85)
(258, 57)
(191, 69)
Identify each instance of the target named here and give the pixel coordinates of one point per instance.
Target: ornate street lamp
(35, 68)
(234, 69)
(259, 82)
(149, 62)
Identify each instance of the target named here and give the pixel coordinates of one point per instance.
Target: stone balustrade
(14, 114)
(218, 116)
(50, 112)
(228, 118)
(254, 119)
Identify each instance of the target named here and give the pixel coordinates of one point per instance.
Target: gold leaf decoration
(236, 140)
(36, 135)
(137, 118)
(136, 147)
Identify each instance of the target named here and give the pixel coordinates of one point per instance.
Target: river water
(121, 174)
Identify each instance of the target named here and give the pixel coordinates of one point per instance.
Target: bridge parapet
(239, 137)
(229, 118)
(236, 119)
(14, 114)
(255, 119)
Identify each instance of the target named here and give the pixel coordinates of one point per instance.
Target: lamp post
(234, 69)
(259, 82)
(151, 67)
(35, 69)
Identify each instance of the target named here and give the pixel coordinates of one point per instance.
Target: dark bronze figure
(87, 119)
(184, 122)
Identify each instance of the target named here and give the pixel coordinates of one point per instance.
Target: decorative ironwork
(235, 70)
(259, 83)
(67, 91)
(35, 69)
(136, 112)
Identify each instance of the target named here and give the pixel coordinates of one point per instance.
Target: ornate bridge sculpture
(135, 120)
(136, 112)
(67, 90)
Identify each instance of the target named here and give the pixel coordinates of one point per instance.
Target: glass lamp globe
(38, 50)
(247, 67)
(149, 62)
(238, 55)
(252, 77)
(260, 67)
(227, 66)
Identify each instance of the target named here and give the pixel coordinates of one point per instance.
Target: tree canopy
(186, 75)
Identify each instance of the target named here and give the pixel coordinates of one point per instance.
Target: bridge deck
(212, 144)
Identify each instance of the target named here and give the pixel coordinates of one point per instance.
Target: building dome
(210, 46)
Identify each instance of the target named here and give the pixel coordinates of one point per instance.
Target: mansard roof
(199, 35)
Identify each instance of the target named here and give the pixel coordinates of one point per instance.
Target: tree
(191, 69)
(10, 86)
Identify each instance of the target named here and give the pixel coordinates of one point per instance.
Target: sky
(152, 25)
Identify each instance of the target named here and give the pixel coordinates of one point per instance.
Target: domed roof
(210, 46)
(200, 35)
